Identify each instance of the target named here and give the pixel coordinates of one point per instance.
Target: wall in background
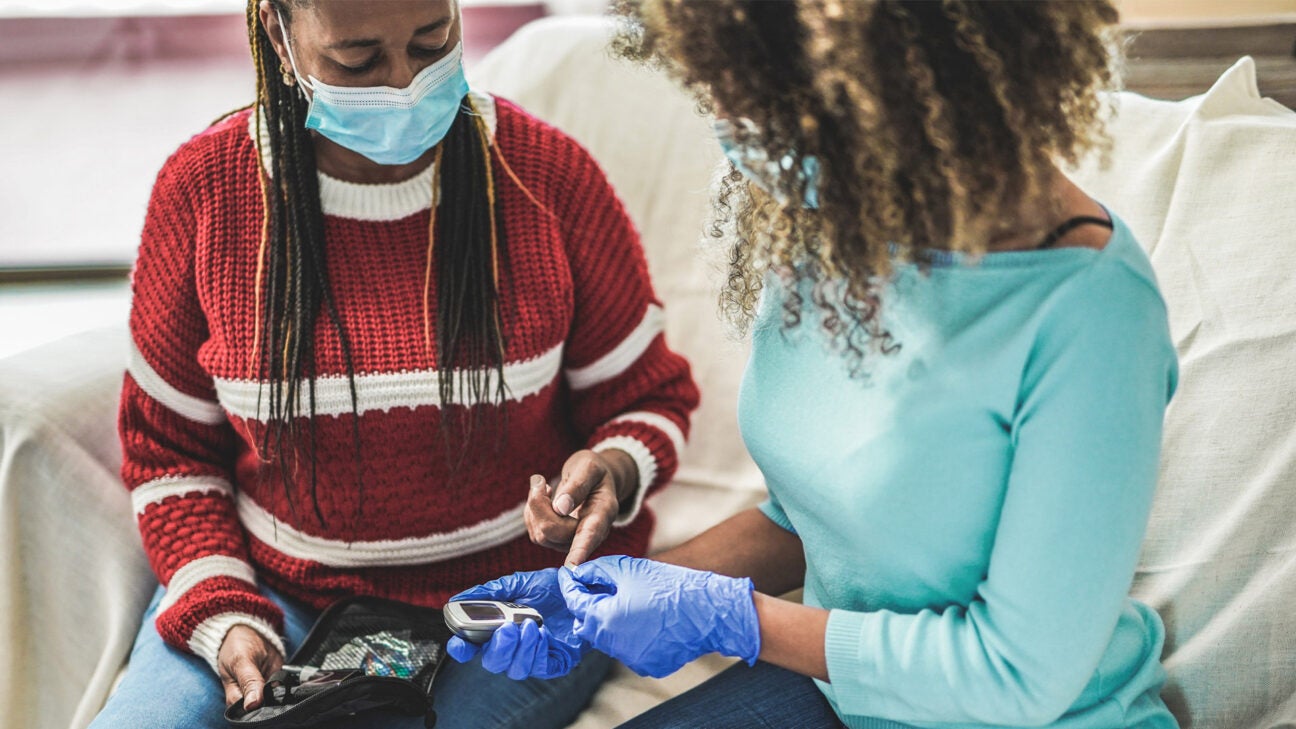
(96, 104)
(1213, 10)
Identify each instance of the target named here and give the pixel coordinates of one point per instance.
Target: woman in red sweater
(372, 315)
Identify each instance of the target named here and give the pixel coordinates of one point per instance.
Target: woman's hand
(524, 651)
(655, 617)
(577, 515)
(244, 662)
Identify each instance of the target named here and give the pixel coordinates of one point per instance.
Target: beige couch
(1208, 184)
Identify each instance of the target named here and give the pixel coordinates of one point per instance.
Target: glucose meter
(476, 620)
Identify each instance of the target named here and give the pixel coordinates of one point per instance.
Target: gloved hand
(655, 617)
(525, 651)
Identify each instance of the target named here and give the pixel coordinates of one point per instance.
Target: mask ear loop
(301, 82)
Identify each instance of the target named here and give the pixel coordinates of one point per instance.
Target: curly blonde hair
(932, 122)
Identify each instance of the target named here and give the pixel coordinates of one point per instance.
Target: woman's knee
(164, 689)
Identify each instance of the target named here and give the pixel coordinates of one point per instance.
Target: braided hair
(465, 242)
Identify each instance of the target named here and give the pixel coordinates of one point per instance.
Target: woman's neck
(1061, 202)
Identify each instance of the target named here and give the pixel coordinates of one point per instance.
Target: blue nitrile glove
(655, 617)
(525, 651)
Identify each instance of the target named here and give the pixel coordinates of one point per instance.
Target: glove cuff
(736, 631)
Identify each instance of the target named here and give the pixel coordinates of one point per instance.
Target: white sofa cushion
(1209, 186)
(73, 578)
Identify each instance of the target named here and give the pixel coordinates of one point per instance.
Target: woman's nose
(402, 74)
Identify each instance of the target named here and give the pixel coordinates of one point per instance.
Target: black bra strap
(1071, 224)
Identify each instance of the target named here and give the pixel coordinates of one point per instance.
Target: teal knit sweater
(972, 506)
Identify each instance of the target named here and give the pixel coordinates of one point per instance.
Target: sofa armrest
(73, 577)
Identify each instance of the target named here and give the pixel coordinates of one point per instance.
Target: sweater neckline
(1023, 257)
(377, 201)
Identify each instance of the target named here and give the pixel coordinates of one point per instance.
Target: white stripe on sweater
(381, 553)
(623, 355)
(654, 420)
(188, 406)
(384, 391)
(647, 465)
(204, 568)
(159, 489)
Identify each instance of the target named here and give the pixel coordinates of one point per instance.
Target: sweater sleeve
(1087, 435)
(773, 510)
(177, 444)
(629, 391)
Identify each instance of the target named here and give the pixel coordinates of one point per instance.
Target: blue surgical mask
(756, 165)
(389, 126)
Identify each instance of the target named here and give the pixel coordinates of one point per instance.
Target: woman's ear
(275, 30)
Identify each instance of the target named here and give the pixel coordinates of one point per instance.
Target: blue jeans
(744, 697)
(168, 689)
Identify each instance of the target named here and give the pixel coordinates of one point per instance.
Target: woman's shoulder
(1116, 292)
(532, 144)
(1122, 263)
(513, 121)
(215, 147)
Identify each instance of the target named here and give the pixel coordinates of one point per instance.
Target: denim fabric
(762, 696)
(166, 688)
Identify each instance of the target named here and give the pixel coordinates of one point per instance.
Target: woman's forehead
(340, 21)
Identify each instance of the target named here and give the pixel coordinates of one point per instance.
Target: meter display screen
(481, 611)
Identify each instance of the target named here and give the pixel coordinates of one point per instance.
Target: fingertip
(574, 560)
(469, 594)
(460, 649)
(563, 504)
(577, 568)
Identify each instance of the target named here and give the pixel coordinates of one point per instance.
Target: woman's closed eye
(419, 52)
(358, 68)
(428, 53)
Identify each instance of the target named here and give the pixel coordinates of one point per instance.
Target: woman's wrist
(625, 473)
(792, 635)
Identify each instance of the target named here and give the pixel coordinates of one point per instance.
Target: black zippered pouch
(363, 654)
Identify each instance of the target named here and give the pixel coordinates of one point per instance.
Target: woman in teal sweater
(959, 371)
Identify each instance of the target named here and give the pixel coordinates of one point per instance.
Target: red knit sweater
(587, 367)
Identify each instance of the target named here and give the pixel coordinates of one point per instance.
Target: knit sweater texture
(972, 506)
(586, 366)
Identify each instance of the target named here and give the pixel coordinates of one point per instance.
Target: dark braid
(293, 285)
(470, 340)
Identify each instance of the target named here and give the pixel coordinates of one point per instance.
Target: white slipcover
(1209, 187)
(1206, 183)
